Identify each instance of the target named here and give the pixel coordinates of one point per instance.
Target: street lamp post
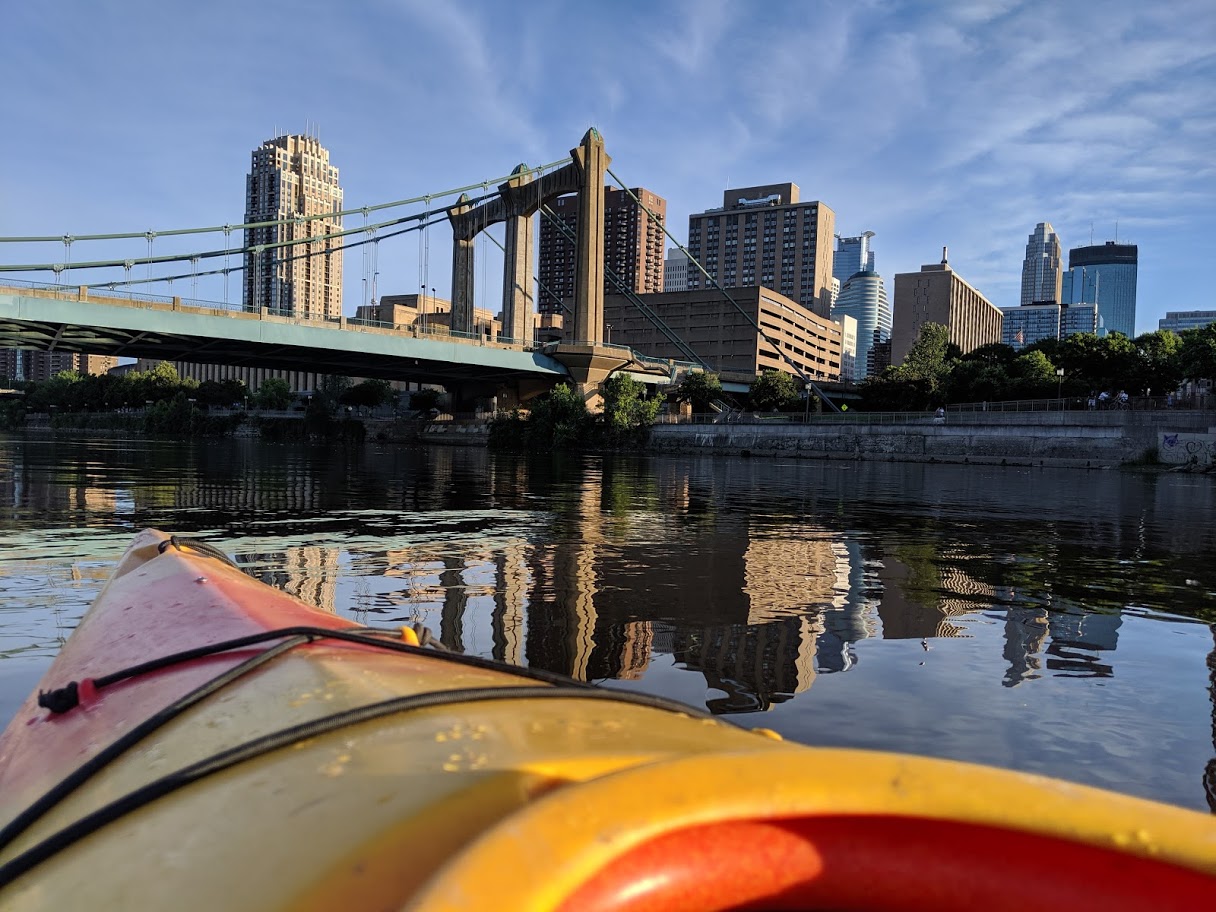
(1060, 384)
(608, 330)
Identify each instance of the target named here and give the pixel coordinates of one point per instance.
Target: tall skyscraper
(291, 178)
(864, 298)
(765, 236)
(938, 294)
(1105, 274)
(853, 255)
(1041, 270)
(633, 247)
(675, 270)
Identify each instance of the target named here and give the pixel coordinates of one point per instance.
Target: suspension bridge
(106, 315)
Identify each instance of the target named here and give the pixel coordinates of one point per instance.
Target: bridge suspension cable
(760, 331)
(278, 261)
(214, 229)
(623, 288)
(211, 254)
(539, 284)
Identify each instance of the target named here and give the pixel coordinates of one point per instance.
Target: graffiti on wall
(1182, 449)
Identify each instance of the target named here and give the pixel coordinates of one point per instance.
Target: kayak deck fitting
(206, 741)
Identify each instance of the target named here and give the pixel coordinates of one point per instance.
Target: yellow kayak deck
(408, 779)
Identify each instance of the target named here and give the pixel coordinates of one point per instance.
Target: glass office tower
(1105, 275)
(864, 298)
(852, 255)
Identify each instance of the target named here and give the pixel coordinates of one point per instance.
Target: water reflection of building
(1025, 632)
(1064, 639)
(244, 492)
(854, 618)
(566, 629)
(1078, 639)
(755, 666)
(962, 593)
(510, 597)
(542, 603)
(912, 606)
(566, 632)
(309, 573)
(792, 574)
(36, 492)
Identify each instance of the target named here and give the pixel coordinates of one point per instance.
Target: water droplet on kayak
(336, 767)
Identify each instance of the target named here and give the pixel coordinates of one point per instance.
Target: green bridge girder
(67, 320)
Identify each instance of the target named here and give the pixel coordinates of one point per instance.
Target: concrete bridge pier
(589, 367)
(518, 270)
(592, 163)
(462, 269)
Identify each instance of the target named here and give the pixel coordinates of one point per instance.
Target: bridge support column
(517, 285)
(462, 271)
(592, 162)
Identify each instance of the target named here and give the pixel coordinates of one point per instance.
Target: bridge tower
(592, 162)
(517, 202)
(518, 296)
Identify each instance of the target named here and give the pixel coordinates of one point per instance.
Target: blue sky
(934, 123)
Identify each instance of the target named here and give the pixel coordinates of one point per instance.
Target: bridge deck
(69, 320)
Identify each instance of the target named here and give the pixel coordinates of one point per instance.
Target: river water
(1055, 621)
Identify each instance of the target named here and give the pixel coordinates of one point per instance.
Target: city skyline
(1124, 149)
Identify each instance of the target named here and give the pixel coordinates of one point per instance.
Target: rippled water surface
(1056, 621)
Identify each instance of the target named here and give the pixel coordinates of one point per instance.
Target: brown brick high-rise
(765, 236)
(938, 294)
(633, 247)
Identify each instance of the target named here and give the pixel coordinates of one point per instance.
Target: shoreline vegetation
(934, 375)
(160, 403)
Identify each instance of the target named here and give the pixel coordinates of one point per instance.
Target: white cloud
(690, 36)
(960, 123)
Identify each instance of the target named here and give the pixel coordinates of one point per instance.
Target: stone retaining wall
(1049, 440)
(1182, 448)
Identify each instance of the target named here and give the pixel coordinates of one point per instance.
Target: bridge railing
(1149, 409)
(177, 302)
(771, 418)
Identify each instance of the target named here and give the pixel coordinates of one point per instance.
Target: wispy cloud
(960, 122)
(690, 34)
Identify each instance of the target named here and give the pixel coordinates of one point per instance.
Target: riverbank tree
(627, 412)
(774, 391)
(935, 372)
(1197, 353)
(560, 419)
(700, 389)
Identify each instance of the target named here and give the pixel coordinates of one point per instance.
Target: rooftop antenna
(1091, 232)
(1116, 231)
